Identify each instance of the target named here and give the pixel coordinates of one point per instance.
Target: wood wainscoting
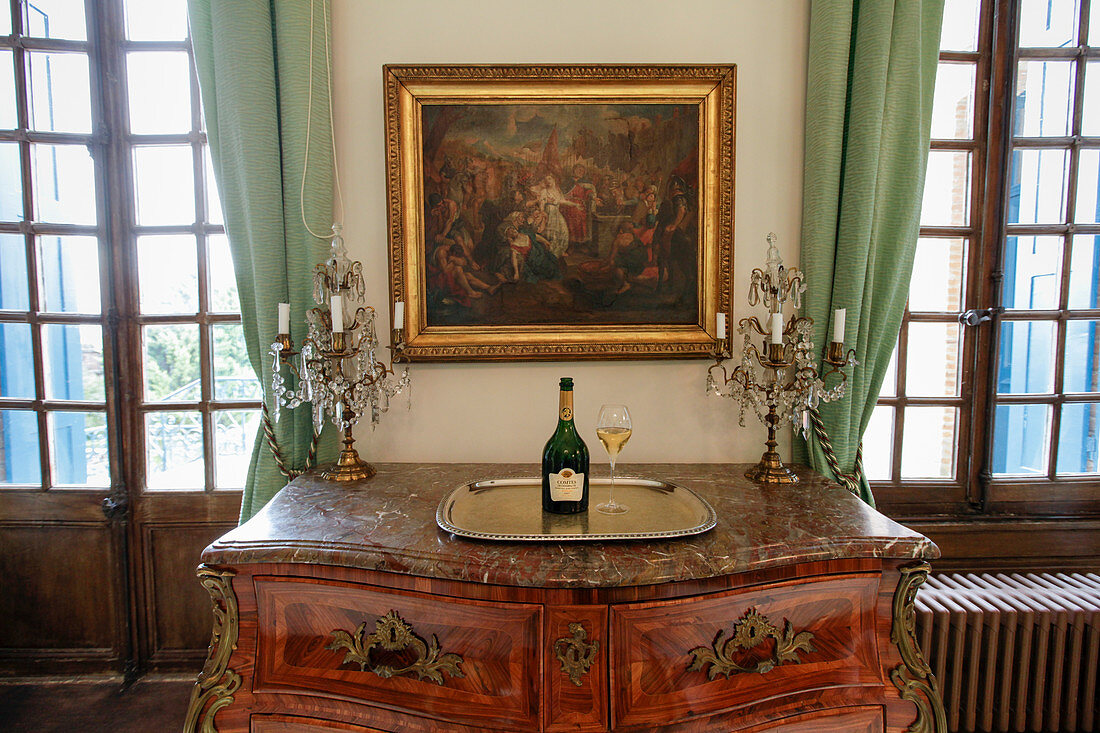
(88, 593)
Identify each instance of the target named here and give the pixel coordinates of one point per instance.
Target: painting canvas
(580, 224)
(553, 214)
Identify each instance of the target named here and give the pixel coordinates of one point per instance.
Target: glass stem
(611, 491)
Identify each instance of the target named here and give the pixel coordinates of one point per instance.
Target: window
(118, 305)
(982, 416)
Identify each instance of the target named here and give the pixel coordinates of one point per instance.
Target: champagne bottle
(565, 461)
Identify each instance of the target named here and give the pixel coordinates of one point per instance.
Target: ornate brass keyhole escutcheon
(575, 653)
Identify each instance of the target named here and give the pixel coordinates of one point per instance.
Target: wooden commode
(343, 607)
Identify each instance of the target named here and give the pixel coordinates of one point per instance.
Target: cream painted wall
(505, 412)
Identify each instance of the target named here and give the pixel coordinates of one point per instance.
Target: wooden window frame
(112, 145)
(974, 491)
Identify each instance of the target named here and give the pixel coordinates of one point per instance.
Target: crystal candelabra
(337, 368)
(781, 381)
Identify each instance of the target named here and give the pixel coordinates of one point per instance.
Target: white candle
(399, 314)
(721, 325)
(838, 324)
(777, 327)
(284, 318)
(336, 310)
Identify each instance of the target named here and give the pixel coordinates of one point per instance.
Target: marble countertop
(388, 524)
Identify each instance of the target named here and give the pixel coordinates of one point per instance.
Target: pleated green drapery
(253, 60)
(871, 73)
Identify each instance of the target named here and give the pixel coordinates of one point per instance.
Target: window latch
(978, 316)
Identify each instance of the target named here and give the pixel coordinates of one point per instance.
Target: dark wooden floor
(150, 705)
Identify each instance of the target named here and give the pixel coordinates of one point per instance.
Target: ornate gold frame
(408, 87)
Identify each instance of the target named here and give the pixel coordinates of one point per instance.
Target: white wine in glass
(613, 428)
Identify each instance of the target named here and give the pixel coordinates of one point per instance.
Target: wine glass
(613, 428)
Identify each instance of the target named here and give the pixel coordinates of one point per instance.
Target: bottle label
(568, 485)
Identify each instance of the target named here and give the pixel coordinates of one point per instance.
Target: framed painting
(560, 212)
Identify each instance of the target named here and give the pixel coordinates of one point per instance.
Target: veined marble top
(388, 524)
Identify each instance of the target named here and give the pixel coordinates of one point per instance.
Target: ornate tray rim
(709, 524)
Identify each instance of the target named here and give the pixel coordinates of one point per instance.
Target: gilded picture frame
(560, 212)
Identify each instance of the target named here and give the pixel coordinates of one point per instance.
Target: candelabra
(337, 369)
(781, 381)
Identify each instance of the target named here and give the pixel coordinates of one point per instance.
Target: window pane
(1088, 176)
(5, 20)
(168, 274)
(213, 202)
(878, 444)
(64, 184)
(56, 19)
(70, 274)
(11, 186)
(1094, 24)
(173, 450)
(1044, 98)
(928, 447)
(171, 363)
(1048, 23)
(1082, 353)
(1084, 272)
(153, 20)
(1032, 272)
(160, 92)
(19, 457)
(16, 362)
(960, 25)
(946, 189)
(953, 102)
(74, 362)
(890, 380)
(1078, 438)
(14, 293)
(164, 183)
(1037, 193)
(937, 282)
(234, 435)
(1020, 441)
(78, 448)
(932, 363)
(234, 378)
(59, 93)
(1027, 357)
(8, 117)
(221, 276)
(1090, 119)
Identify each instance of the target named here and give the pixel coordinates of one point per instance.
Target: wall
(505, 412)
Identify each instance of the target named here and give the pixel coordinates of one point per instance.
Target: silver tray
(511, 510)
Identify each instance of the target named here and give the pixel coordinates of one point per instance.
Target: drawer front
(687, 658)
(446, 658)
(862, 720)
(289, 724)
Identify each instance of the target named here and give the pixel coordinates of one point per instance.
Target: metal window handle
(975, 317)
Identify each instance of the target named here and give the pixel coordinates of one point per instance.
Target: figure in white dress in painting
(551, 200)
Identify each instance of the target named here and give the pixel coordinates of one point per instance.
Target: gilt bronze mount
(392, 634)
(575, 653)
(749, 632)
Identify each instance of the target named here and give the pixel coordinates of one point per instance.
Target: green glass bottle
(565, 461)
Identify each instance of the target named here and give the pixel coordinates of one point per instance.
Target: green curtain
(871, 73)
(253, 61)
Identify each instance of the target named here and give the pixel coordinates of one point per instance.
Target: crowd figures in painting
(561, 213)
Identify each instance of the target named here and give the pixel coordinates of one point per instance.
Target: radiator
(1014, 652)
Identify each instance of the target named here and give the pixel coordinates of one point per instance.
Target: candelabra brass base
(771, 470)
(348, 467)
